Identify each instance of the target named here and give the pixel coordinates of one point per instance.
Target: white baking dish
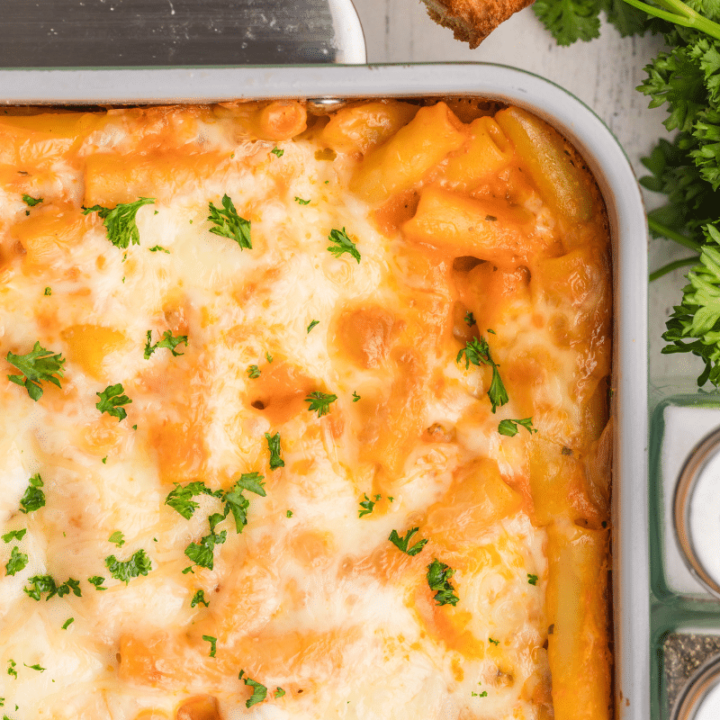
(615, 177)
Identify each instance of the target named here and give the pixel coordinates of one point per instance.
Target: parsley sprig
(120, 221)
(477, 352)
(512, 427)
(34, 497)
(31, 201)
(112, 401)
(181, 497)
(39, 365)
(259, 690)
(320, 402)
(229, 224)
(273, 442)
(45, 584)
(403, 543)
(138, 564)
(367, 505)
(168, 341)
(18, 561)
(343, 244)
(438, 577)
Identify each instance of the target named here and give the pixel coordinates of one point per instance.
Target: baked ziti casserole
(304, 416)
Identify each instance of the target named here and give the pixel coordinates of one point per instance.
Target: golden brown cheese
(476, 258)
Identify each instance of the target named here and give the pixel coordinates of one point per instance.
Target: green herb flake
(259, 690)
(403, 543)
(367, 505)
(273, 442)
(202, 553)
(104, 460)
(469, 319)
(35, 667)
(18, 561)
(438, 578)
(11, 668)
(120, 222)
(159, 248)
(355, 397)
(343, 244)
(31, 201)
(477, 352)
(253, 372)
(482, 694)
(117, 538)
(14, 535)
(289, 513)
(278, 152)
(279, 692)
(97, 581)
(199, 599)
(312, 325)
(213, 644)
(48, 291)
(300, 201)
(320, 402)
(511, 427)
(39, 365)
(532, 579)
(112, 401)
(268, 357)
(138, 564)
(494, 642)
(34, 497)
(167, 341)
(68, 623)
(229, 224)
(181, 497)
(41, 584)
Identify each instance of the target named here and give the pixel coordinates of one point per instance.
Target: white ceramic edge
(628, 224)
(349, 40)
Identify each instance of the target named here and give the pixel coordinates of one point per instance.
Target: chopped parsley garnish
(97, 581)
(236, 503)
(11, 668)
(320, 402)
(36, 366)
(138, 564)
(482, 694)
(268, 357)
(510, 427)
(300, 201)
(289, 513)
(112, 400)
(279, 692)
(253, 372)
(201, 553)
(104, 460)
(31, 201)
(120, 224)
(367, 505)
(277, 151)
(494, 642)
(259, 690)
(213, 644)
(477, 352)
(159, 248)
(48, 291)
(40, 584)
(34, 497)
(438, 577)
(343, 244)
(181, 498)
(68, 623)
(229, 224)
(403, 543)
(532, 579)
(117, 538)
(312, 325)
(167, 341)
(470, 319)
(199, 599)
(14, 535)
(17, 562)
(35, 667)
(273, 442)
(355, 397)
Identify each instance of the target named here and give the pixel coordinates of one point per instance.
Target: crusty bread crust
(473, 20)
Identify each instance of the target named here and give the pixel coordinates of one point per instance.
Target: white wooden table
(603, 73)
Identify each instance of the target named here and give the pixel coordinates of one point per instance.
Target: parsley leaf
(343, 244)
(213, 644)
(236, 503)
(112, 400)
(253, 372)
(40, 584)
(159, 248)
(17, 562)
(199, 599)
(355, 397)
(36, 366)
(201, 553)
(31, 201)
(278, 152)
(279, 692)
(259, 690)
(300, 201)
(167, 341)
(532, 579)
(494, 642)
(510, 427)
(402, 543)
(320, 402)
(482, 694)
(438, 577)
(117, 538)
(180, 498)
(289, 513)
(569, 20)
(14, 535)
(469, 319)
(119, 222)
(477, 352)
(230, 224)
(97, 581)
(34, 497)
(48, 291)
(312, 325)
(138, 564)
(35, 667)
(268, 357)
(273, 442)
(11, 668)
(367, 505)
(68, 623)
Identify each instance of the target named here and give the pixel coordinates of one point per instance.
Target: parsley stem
(666, 232)
(665, 269)
(680, 14)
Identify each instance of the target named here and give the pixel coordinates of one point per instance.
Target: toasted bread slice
(473, 20)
